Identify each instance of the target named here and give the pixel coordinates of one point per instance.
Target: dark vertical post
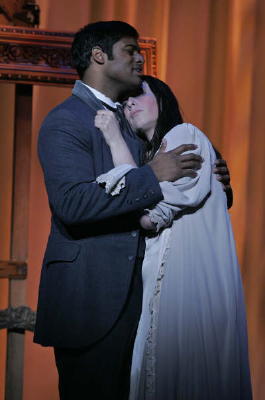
(19, 236)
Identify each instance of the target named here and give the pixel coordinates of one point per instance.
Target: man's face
(126, 67)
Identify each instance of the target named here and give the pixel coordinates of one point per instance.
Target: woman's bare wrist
(116, 141)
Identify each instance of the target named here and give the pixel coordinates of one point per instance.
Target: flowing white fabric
(191, 342)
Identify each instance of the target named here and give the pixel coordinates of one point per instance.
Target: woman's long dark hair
(168, 114)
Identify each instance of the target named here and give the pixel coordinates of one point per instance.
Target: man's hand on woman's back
(173, 165)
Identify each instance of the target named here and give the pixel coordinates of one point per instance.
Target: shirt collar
(100, 96)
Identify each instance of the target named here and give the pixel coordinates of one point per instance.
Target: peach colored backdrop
(212, 55)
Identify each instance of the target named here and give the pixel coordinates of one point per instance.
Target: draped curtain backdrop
(212, 55)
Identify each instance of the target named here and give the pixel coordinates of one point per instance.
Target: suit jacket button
(145, 196)
(134, 234)
(130, 258)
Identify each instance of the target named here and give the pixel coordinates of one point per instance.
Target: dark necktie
(124, 124)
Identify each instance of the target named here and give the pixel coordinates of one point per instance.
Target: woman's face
(142, 111)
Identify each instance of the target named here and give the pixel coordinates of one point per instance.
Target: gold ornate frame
(37, 56)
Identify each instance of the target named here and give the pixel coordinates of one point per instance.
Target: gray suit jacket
(94, 239)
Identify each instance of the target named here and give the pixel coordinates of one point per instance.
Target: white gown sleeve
(185, 192)
(114, 180)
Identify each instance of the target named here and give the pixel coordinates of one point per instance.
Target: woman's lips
(134, 112)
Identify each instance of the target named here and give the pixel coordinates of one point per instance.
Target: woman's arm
(106, 121)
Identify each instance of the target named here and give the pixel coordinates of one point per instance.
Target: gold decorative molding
(37, 56)
(149, 51)
(20, 12)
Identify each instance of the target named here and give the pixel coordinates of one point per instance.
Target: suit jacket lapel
(83, 92)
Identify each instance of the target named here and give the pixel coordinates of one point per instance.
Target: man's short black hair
(103, 34)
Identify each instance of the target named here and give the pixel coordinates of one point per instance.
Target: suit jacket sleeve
(68, 159)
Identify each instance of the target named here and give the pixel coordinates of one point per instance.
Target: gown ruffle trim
(151, 340)
(114, 180)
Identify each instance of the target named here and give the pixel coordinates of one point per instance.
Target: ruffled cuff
(114, 180)
(161, 216)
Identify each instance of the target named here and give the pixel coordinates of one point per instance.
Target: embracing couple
(140, 291)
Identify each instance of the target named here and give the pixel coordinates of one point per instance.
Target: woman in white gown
(191, 342)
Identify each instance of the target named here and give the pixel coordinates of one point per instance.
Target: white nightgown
(191, 342)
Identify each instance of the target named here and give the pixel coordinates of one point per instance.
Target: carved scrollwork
(36, 32)
(36, 79)
(24, 54)
(21, 12)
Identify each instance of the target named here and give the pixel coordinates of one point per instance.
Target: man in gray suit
(91, 289)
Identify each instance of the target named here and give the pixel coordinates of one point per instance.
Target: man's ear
(98, 55)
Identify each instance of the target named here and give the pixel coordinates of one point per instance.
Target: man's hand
(146, 223)
(173, 165)
(223, 176)
(223, 173)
